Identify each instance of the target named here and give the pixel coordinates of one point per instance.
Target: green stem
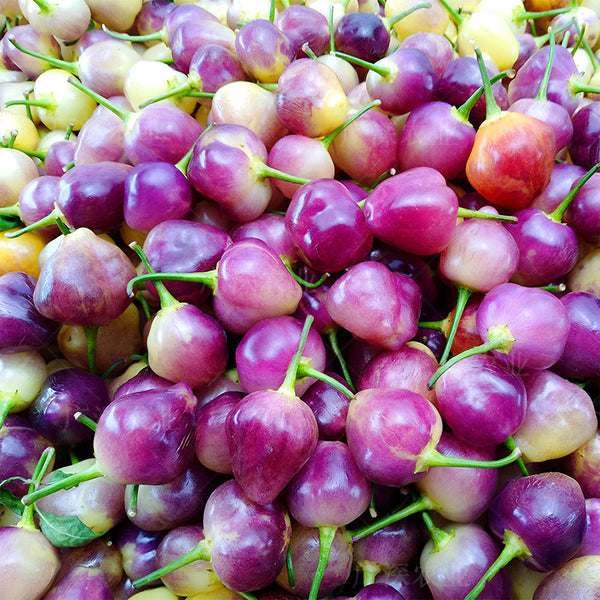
(391, 21)
(200, 552)
(499, 338)
(331, 30)
(166, 298)
(332, 336)
(125, 115)
(423, 502)
(370, 570)
(44, 103)
(558, 213)
(8, 401)
(327, 141)
(11, 211)
(85, 420)
(46, 7)
(180, 90)
(306, 371)
(510, 444)
(514, 547)
(289, 382)
(91, 337)
(326, 537)
(92, 472)
(27, 518)
(290, 568)
(529, 15)
(463, 296)
(439, 537)
(381, 70)
(303, 282)
(160, 36)
(208, 278)
(464, 110)
(543, 91)
(307, 50)
(47, 220)
(436, 325)
(454, 14)
(432, 458)
(492, 109)
(133, 501)
(70, 67)
(467, 213)
(262, 170)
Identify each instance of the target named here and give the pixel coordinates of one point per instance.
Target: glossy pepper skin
(22, 327)
(511, 160)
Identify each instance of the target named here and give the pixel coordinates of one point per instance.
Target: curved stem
(454, 14)
(68, 66)
(8, 401)
(160, 35)
(166, 298)
(514, 546)
(85, 420)
(510, 444)
(208, 278)
(326, 536)
(491, 106)
(263, 170)
(180, 90)
(288, 385)
(467, 213)
(464, 110)
(333, 342)
(27, 518)
(499, 338)
(391, 21)
(327, 140)
(370, 570)
(423, 502)
(125, 115)
(46, 7)
(558, 213)
(92, 472)
(200, 552)
(463, 296)
(303, 282)
(439, 537)
(381, 70)
(543, 91)
(432, 458)
(47, 220)
(306, 371)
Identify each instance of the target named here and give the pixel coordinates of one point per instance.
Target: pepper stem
(326, 537)
(514, 547)
(558, 213)
(423, 502)
(293, 370)
(92, 472)
(463, 296)
(306, 371)
(199, 552)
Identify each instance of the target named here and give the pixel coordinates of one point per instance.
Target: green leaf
(7, 223)
(65, 532)
(9, 500)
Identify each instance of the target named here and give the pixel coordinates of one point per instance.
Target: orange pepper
(21, 253)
